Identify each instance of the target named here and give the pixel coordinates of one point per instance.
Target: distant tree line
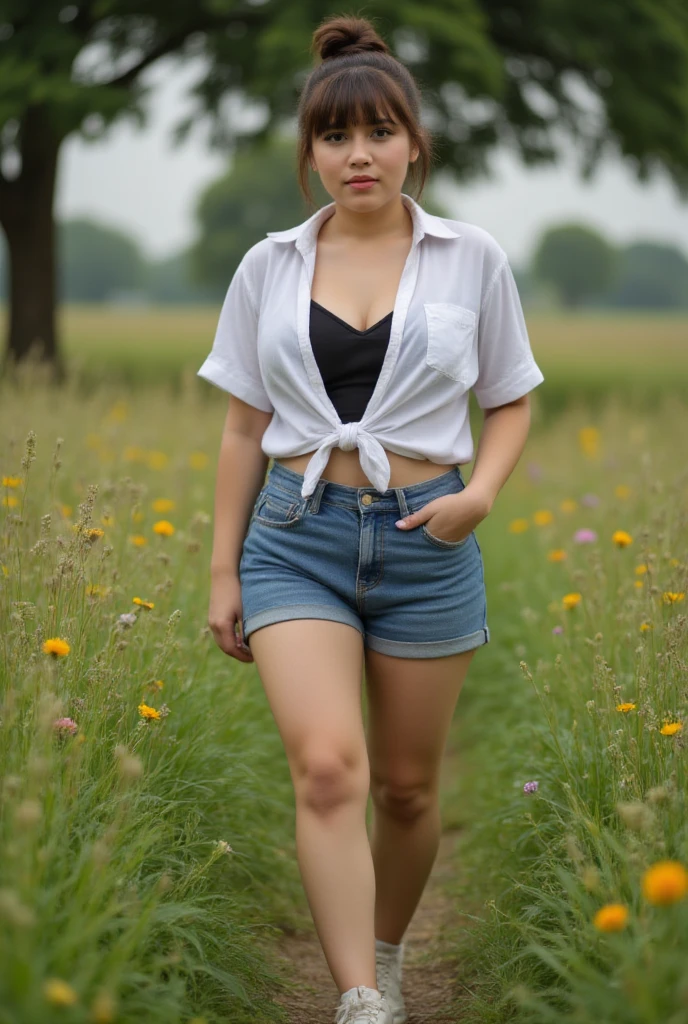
(572, 266)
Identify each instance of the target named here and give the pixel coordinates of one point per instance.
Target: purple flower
(63, 725)
(531, 787)
(591, 500)
(584, 536)
(558, 629)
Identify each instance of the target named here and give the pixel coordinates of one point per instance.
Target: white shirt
(457, 324)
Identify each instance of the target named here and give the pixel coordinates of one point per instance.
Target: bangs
(366, 97)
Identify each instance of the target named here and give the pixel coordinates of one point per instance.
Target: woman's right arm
(241, 470)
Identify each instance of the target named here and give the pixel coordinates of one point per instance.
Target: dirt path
(429, 977)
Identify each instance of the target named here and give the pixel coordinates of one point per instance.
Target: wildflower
(638, 584)
(138, 540)
(590, 500)
(148, 712)
(144, 604)
(626, 706)
(644, 626)
(223, 847)
(543, 517)
(557, 555)
(66, 510)
(671, 728)
(94, 534)
(585, 536)
(103, 1009)
(163, 528)
(571, 600)
(670, 597)
(127, 619)
(162, 505)
(132, 453)
(558, 629)
(59, 993)
(97, 590)
(158, 684)
(622, 491)
(9, 501)
(640, 570)
(568, 505)
(612, 917)
(137, 516)
(198, 460)
(621, 538)
(157, 460)
(107, 520)
(11, 481)
(518, 525)
(665, 882)
(64, 725)
(531, 787)
(58, 648)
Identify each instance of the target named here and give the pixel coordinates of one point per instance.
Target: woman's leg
(411, 702)
(312, 670)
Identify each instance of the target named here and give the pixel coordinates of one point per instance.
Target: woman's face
(382, 151)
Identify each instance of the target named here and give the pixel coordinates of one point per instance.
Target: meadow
(147, 864)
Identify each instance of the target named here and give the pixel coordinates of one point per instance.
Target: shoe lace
(359, 1010)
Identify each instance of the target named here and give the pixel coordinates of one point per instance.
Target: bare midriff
(345, 468)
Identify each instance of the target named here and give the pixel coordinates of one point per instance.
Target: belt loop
(314, 500)
(401, 498)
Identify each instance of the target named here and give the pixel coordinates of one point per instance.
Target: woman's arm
(500, 445)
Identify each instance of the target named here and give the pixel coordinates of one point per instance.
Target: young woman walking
(349, 345)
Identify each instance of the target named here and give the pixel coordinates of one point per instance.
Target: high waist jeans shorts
(337, 555)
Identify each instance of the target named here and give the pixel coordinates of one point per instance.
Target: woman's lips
(361, 185)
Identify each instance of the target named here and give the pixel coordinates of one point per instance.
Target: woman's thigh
(311, 670)
(411, 704)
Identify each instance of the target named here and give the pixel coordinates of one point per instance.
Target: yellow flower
(9, 501)
(671, 728)
(94, 534)
(622, 491)
(626, 706)
(640, 570)
(612, 917)
(543, 517)
(557, 555)
(163, 528)
(148, 712)
(589, 440)
(107, 520)
(638, 584)
(674, 562)
(138, 540)
(518, 525)
(97, 590)
(162, 505)
(58, 648)
(671, 597)
(118, 412)
(665, 882)
(158, 684)
(157, 460)
(144, 604)
(59, 993)
(568, 505)
(198, 460)
(11, 481)
(66, 510)
(137, 517)
(621, 538)
(132, 453)
(5, 570)
(571, 600)
(644, 626)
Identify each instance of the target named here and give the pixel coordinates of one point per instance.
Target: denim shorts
(338, 555)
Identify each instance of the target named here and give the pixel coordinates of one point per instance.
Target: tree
(578, 261)
(95, 260)
(652, 275)
(485, 69)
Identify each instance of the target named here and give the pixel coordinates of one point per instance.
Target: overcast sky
(137, 181)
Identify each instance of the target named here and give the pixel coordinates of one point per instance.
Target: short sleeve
(233, 361)
(506, 367)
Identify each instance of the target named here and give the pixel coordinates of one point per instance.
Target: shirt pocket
(451, 330)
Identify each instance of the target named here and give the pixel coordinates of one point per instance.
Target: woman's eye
(333, 134)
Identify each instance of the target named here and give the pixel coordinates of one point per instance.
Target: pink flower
(584, 536)
(63, 725)
(531, 787)
(558, 629)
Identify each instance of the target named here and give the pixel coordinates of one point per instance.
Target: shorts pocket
(443, 543)
(279, 510)
(451, 330)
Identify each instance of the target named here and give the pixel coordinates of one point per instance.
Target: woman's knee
(404, 796)
(327, 776)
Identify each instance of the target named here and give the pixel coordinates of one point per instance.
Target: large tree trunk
(26, 214)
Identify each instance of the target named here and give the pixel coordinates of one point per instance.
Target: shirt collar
(305, 234)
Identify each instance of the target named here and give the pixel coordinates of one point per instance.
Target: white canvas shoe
(388, 964)
(363, 1005)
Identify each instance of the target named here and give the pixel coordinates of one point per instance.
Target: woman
(349, 344)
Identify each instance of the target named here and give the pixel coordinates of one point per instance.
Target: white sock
(387, 947)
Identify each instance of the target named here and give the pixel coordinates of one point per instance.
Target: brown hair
(357, 80)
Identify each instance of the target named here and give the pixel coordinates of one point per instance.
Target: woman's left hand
(453, 516)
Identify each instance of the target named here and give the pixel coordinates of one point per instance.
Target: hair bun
(340, 36)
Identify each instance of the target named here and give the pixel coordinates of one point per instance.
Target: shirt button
(366, 499)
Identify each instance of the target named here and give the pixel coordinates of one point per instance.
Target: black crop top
(349, 360)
